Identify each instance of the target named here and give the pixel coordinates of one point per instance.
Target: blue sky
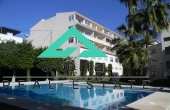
(23, 14)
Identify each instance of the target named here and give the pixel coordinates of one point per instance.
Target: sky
(23, 14)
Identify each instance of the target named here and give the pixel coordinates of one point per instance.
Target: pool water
(96, 98)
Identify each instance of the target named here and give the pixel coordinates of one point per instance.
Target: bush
(91, 68)
(84, 68)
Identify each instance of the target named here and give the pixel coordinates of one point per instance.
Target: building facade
(160, 58)
(166, 52)
(51, 29)
(7, 34)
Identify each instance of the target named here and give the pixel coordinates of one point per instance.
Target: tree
(70, 66)
(25, 55)
(48, 65)
(133, 42)
(91, 68)
(151, 17)
(129, 3)
(9, 56)
(110, 69)
(131, 54)
(84, 68)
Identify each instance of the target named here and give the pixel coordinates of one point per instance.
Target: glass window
(154, 74)
(87, 22)
(117, 60)
(118, 95)
(107, 40)
(153, 62)
(71, 40)
(168, 64)
(153, 51)
(111, 59)
(167, 50)
(112, 96)
(167, 39)
(71, 17)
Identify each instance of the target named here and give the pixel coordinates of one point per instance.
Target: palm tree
(70, 60)
(131, 54)
(151, 16)
(130, 4)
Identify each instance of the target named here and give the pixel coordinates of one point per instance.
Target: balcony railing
(95, 39)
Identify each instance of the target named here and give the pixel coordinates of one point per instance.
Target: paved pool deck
(157, 101)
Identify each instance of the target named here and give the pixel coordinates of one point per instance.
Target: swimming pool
(96, 98)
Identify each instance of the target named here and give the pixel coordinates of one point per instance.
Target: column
(102, 30)
(96, 27)
(90, 24)
(104, 48)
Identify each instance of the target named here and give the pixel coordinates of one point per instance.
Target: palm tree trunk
(13, 77)
(47, 76)
(28, 75)
(141, 71)
(53, 74)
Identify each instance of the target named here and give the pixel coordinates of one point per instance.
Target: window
(153, 51)
(107, 40)
(167, 39)
(168, 64)
(121, 94)
(87, 22)
(154, 74)
(167, 50)
(153, 62)
(117, 60)
(71, 17)
(112, 96)
(117, 95)
(111, 59)
(71, 40)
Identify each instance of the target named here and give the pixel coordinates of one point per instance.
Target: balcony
(95, 39)
(84, 22)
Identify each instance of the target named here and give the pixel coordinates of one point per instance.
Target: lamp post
(162, 74)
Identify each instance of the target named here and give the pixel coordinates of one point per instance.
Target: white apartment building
(51, 29)
(7, 34)
(160, 58)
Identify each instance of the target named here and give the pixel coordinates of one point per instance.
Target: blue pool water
(96, 98)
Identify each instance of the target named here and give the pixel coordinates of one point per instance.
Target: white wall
(102, 60)
(4, 37)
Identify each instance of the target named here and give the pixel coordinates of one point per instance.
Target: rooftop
(4, 30)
